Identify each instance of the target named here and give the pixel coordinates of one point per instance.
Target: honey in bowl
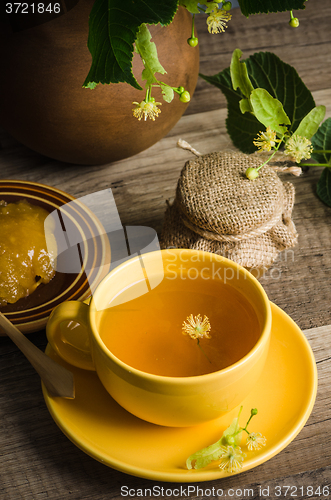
(24, 261)
(147, 332)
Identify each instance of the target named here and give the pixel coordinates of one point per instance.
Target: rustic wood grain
(37, 461)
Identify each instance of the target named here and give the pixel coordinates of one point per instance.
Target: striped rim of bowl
(31, 313)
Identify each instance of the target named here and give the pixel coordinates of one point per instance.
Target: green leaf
(324, 186)
(265, 70)
(264, 6)
(167, 92)
(148, 53)
(322, 141)
(91, 85)
(239, 75)
(310, 123)
(242, 129)
(269, 111)
(113, 27)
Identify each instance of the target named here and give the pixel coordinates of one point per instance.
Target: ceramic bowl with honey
(30, 285)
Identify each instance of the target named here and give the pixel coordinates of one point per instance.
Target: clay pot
(43, 104)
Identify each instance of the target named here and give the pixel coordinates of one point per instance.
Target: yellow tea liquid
(146, 333)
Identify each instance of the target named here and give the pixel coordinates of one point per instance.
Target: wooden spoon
(58, 380)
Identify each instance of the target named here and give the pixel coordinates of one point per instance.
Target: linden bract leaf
(269, 111)
(232, 430)
(148, 53)
(203, 457)
(167, 92)
(310, 123)
(245, 106)
(265, 70)
(215, 451)
(239, 74)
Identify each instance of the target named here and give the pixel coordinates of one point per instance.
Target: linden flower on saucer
(255, 441)
(196, 327)
(147, 110)
(232, 459)
(265, 141)
(217, 20)
(299, 148)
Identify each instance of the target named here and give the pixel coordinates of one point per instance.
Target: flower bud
(254, 411)
(227, 5)
(193, 41)
(252, 173)
(294, 22)
(185, 96)
(230, 440)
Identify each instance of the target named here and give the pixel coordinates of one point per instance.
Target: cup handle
(72, 345)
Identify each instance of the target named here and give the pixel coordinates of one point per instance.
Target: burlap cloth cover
(219, 210)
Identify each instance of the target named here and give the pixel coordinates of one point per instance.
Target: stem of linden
(193, 17)
(273, 154)
(318, 151)
(203, 352)
(244, 428)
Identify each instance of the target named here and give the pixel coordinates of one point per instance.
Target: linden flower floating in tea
(197, 328)
(227, 450)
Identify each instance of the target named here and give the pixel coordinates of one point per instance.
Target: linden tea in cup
(177, 343)
(147, 332)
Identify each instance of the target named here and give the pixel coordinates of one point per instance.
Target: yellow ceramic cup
(163, 400)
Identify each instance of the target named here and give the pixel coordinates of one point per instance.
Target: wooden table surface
(36, 460)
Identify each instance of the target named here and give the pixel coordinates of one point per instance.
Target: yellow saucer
(284, 397)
